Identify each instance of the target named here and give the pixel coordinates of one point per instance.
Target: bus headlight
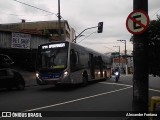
(65, 74)
(99, 73)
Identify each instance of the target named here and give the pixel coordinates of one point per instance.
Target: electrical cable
(155, 13)
(87, 36)
(35, 7)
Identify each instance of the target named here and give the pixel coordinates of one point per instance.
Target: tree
(154, 47)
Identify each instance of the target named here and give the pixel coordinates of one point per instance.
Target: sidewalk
(124, 75)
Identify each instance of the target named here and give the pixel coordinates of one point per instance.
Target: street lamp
(119, 54)
(125, 52)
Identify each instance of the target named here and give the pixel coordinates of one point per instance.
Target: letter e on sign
(137, 22)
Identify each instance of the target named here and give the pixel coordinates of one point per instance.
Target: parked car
(5, 61)
(10, 78)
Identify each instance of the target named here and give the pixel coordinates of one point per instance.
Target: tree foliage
(154, 47)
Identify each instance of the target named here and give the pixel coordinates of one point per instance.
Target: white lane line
(154, 90)
(116, 84)
(63, 103)
(127, 85)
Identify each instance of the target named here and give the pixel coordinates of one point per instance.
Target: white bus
(70, 63)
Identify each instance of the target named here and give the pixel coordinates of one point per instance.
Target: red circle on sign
(145, 26)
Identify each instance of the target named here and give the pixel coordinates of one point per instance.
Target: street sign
(137, 22)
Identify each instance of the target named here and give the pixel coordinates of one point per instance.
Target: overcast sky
(82, 14)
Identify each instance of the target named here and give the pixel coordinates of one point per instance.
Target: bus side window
(74, 57)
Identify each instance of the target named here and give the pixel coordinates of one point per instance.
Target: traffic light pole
(140, 57)
(74, 40)
(100, 30)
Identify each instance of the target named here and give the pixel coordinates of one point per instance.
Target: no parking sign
(137, 22)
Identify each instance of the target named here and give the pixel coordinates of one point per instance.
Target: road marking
(127, 85)
(116, 84)
(154, 90)
(63, 103)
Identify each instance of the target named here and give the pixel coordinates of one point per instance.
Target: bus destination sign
(58, 45)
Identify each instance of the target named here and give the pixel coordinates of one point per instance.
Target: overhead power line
(87, 36)
(35, 7)
(155, 13)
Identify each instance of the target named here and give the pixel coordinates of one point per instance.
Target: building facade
(46, 28)
(21, 40)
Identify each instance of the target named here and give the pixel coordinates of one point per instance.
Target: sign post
(140, 57)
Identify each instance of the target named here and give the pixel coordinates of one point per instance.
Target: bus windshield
(53, 57)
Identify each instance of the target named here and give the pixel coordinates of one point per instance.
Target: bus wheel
(84, 80)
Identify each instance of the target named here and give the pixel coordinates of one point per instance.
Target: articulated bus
(69, 63)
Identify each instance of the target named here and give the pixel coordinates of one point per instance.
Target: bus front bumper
(65, 79)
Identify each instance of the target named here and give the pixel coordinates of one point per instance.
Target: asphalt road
(103, 100)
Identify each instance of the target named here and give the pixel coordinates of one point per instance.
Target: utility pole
(59, 20)
(140, 57)
(118, 55)
(125, 54)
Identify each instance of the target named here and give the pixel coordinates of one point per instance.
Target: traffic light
(100, 27)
